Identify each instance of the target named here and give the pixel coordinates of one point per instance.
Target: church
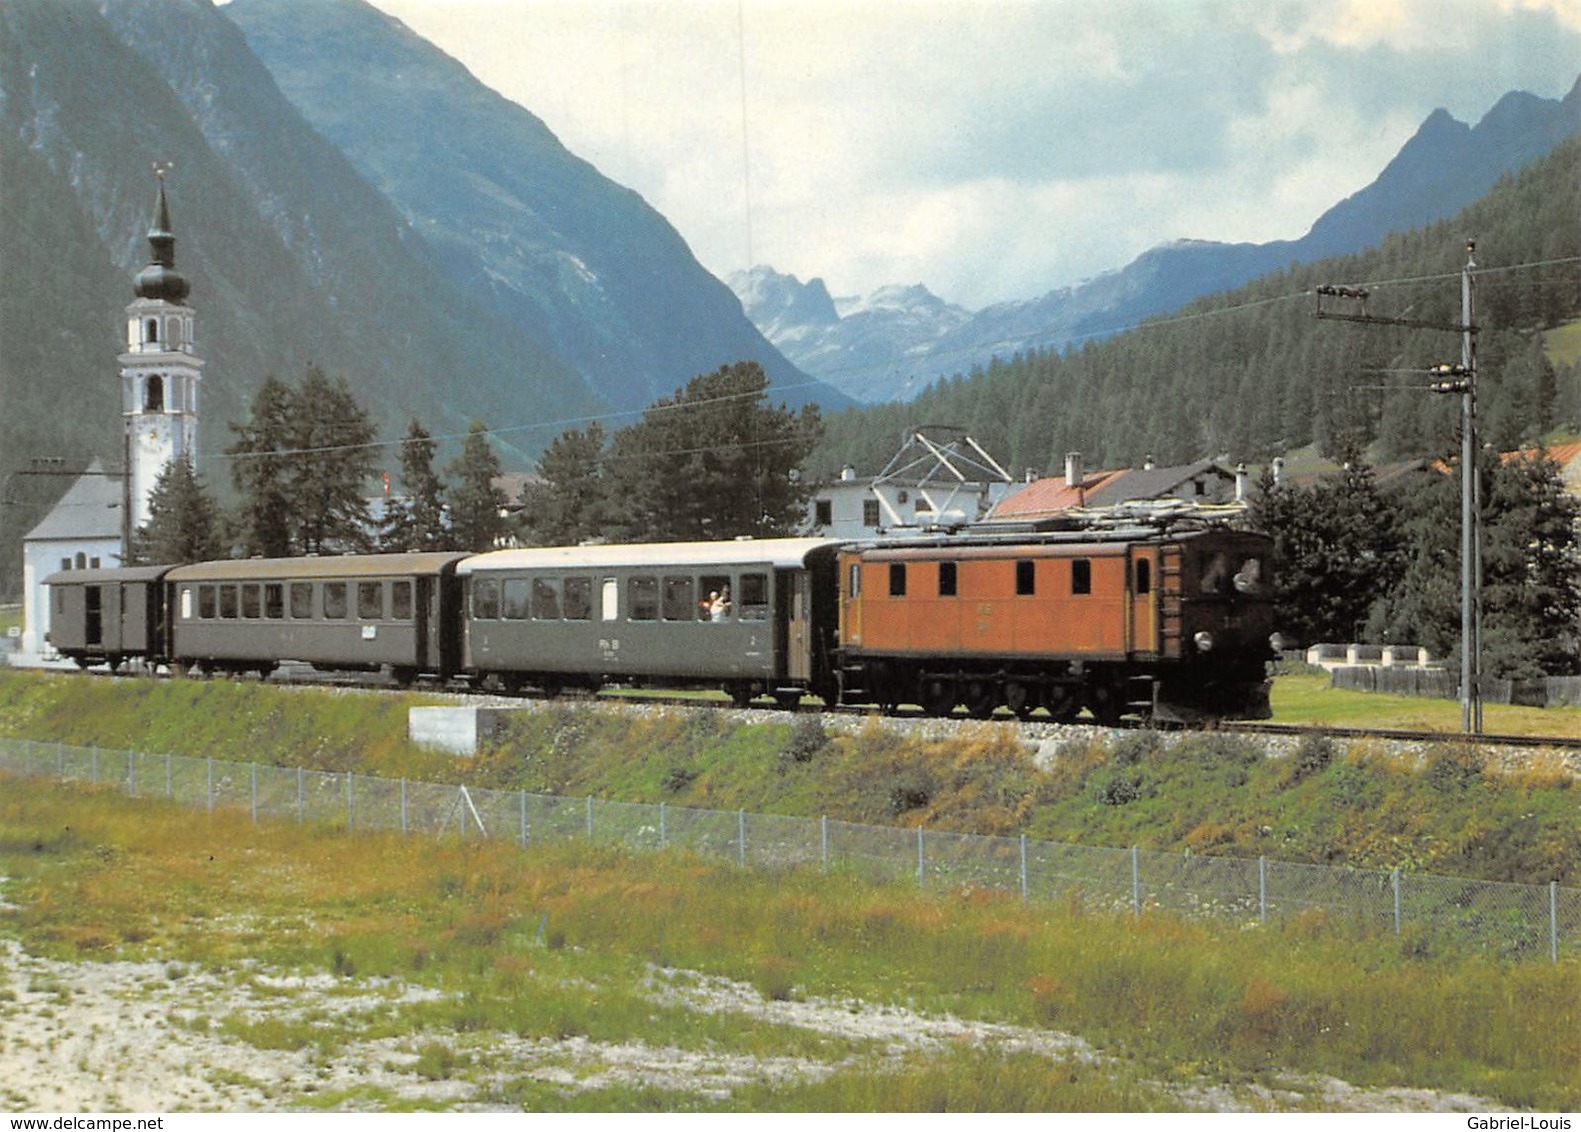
(93, 523)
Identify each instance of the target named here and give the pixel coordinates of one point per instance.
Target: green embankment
(1204, 793)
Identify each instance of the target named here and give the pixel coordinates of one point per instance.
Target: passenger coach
(753, 616)
(356, 614)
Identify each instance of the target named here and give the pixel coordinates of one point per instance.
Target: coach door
(1144, 575)
(798, 628)
(93, 621)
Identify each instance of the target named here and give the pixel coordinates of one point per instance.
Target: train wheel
(788, 700)
(403, 676)
(1063, 702)
(511, 683)
(937, 695)
(740, 694)
(982, 697)
(1021, 698)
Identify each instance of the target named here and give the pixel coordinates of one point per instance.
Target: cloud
(994, 150)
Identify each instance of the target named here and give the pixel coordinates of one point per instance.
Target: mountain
(861, 345)
(1443, 168)
(465, 267)
(522, 227)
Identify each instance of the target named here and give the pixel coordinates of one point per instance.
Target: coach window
(679, 601)
(401, 600)
(609, 599)
(252, 601)
(642, 594)
(897, 579)
(1026, 577)
(274, 600)
(370, 601)
(1081, 576)
(334, 600)
(578, 593)
(485, 599)
(946, 579)
(754, 597)
(206, 606)
(302, 600)
(715, 589)
(515, 599)
(228, 603)
(545, 599)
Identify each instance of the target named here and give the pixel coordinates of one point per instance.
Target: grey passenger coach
(749, 616)
(357, 614)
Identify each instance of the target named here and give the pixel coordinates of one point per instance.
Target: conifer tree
(570, 504)
(183, 520)
(415, 521)
(477, 506)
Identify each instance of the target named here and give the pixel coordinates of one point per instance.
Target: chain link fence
(1511, 920)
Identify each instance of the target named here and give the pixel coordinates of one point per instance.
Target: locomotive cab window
(1144, 576)
(897, 579)
(1081, 576)
(947, 579)
(1026, 578)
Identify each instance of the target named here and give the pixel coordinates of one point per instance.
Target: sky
(994, 150)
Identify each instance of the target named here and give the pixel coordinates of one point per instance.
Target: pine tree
(477, 506)
(570, 505)
(714, 461)
(183, 520)
(302, 463)
(415, 521)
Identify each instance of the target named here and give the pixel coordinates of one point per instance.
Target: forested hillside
(1251, 373)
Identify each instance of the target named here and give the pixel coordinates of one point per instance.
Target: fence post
(93, 764)
(662, 838)
(131, 774)
(920, 865)
(210, 762)
(823, 836)
(1136, 882)
(1262, 890)
(170, 782)
(1024, 893)
(348, 802)
(403, 805)
(1553, 920)
(60, 762)
(741, 836)
(301, 807)
(523, 794)
(1394, 883)
(255, 793)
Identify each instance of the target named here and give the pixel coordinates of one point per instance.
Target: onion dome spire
(160, 279)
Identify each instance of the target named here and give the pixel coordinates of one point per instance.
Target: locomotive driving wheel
(981, 696)
(937, 695)
(1021, 698)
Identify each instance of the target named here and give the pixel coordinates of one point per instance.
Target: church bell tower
(159, 371)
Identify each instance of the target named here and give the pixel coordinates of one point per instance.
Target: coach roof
(779, 553)
(339, 566)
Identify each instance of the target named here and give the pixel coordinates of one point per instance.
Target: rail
(1514, 921)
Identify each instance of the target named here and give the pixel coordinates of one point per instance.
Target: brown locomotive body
(1171, 625)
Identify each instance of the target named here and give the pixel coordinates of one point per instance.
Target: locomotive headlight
(1203, 641)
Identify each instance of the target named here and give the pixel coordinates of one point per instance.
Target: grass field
(477, 975)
